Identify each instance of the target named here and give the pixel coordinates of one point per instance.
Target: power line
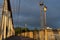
(18, 11)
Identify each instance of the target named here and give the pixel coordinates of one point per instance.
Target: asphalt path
(19, 38)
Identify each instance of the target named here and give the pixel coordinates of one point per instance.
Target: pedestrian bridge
(7, 31)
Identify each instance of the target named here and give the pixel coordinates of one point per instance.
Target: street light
(45, 9)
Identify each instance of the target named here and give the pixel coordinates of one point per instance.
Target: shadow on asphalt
(18, 38)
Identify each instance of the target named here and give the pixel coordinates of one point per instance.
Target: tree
(24, 29)
(17, 30)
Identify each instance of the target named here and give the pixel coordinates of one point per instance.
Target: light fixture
(45, 8)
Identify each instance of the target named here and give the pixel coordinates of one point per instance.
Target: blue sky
(30, 13)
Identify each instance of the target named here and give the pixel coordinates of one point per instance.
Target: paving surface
(18, 38)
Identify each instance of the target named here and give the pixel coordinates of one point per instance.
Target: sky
(29, 13)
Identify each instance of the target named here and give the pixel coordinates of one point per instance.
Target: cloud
(30, 13)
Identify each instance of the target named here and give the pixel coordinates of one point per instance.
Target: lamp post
(41, 18)
(45, 9)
